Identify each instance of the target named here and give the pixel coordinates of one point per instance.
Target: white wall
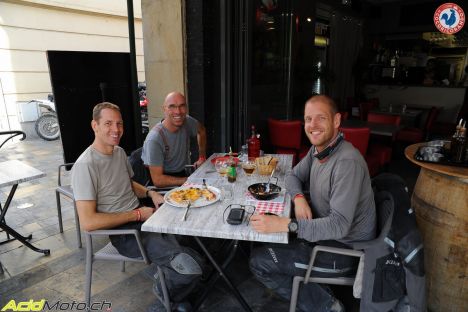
(29, 28)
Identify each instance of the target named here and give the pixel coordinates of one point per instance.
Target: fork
(184, 217)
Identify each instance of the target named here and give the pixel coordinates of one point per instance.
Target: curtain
(345, 45)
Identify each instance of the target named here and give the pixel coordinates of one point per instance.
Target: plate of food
(225, 158)
(198, 195)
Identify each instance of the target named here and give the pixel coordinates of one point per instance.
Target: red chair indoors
(285, 136)
(382, 151)
(359, 137)
(384, 118)
(416, 135)
(364, 109)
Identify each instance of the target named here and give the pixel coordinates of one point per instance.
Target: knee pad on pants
(183, 263)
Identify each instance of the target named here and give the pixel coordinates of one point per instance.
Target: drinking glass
(249, 166)
(221, 166)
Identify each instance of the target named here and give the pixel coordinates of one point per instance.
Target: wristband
(138, 214)
(147, 193)
(298, 196)
(202, 158)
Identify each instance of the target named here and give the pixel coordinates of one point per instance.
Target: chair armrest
(59, 181)
(89, 241)
(335, 250)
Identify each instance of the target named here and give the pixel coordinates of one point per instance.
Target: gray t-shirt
(154, 148)
(105, 179)
(342, 200)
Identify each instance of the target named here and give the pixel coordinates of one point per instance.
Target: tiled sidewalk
(60, 276)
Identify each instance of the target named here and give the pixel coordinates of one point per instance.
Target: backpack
(394, 269)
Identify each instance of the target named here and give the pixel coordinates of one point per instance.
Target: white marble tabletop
(14, 172)
(209, 221)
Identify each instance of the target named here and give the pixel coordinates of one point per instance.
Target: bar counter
(440, 200)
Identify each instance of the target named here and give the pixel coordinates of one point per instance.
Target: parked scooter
(47, 126)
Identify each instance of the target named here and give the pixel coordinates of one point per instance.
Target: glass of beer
(249, 166)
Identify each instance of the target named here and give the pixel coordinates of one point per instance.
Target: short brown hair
(326, 100)
(99, 107)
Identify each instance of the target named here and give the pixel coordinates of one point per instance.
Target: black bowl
(258, 190)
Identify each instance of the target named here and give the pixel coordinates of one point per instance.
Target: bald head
(174, 97)
(175, 111)
(325, 100)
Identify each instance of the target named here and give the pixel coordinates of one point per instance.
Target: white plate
(201, 202)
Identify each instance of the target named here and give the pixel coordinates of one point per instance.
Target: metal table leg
(9, 231)
(221, 273)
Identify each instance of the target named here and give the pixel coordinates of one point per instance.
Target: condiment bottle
(253, 144)
(232, 173)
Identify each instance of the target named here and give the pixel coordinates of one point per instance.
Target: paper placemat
(275, 205)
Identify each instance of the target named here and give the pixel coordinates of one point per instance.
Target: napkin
(275, 205)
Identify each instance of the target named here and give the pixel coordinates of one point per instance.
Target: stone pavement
(60, 276)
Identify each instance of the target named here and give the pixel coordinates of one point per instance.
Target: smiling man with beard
(341, 210)
(166, 150)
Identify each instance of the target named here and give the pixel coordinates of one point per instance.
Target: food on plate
(191, 194)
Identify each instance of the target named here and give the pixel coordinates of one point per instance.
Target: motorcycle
(47, 126)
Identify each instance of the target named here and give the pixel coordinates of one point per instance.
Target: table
(440, 200)
(375, 128)
(209, 221)
(13, 172)
(409, 117)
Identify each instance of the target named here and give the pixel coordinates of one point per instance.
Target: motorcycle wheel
(47, 127)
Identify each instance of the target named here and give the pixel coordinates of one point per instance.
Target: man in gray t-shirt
(341, 210)
(167, 146)
(107, 198)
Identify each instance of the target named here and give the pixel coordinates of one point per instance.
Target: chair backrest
(359, 137)
(344, 115)
(432, 116)
(384, 118)
(364, 108)
(285, 134)
(141, 174)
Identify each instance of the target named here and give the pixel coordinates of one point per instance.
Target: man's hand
(157, 198)
(269, 224)
(199, 162)
(302, 209)
(146, 212)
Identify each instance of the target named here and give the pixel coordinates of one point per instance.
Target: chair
(110, 253)
(364, 109)
(66, 190)
(416, 135)
(359, 137)
(384, 210)
(344, 115)
(383, 152)
(285, 136)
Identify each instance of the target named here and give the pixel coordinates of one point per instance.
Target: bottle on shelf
(253, 144)
(459, 153)
(454, 141)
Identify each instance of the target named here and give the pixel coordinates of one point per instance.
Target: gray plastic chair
(66, 190)
(110, 253)
(384, 209)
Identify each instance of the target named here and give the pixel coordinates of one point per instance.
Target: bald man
(166, 150)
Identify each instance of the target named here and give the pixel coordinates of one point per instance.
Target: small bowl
(258, 191)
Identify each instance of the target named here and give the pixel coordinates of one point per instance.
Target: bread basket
(266, 164)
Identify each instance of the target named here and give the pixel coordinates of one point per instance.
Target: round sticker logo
(449, 18)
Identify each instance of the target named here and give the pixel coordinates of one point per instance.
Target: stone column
(164, 48)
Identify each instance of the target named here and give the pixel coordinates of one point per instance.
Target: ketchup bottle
(253, 144)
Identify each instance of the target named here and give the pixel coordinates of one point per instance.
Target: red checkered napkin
(265, 206)
(275, 206)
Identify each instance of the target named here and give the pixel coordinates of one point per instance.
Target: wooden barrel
(440, 200)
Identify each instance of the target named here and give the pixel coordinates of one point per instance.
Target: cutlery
(204, 184)
(184, 217)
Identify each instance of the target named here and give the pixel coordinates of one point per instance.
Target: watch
(293, 226)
